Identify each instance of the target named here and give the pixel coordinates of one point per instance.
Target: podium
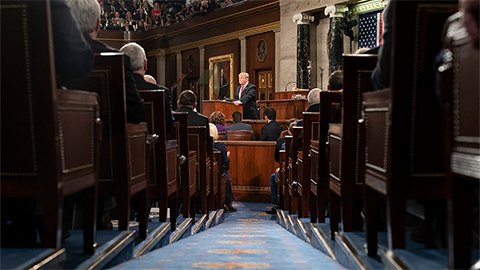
(226, 107)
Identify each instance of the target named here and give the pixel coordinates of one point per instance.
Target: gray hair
(136, 54)
(86, 13)
(314, 96)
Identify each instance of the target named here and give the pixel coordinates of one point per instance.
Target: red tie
(241, 91)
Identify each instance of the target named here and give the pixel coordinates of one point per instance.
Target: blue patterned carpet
(248, 239)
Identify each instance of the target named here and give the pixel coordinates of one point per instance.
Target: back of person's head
(136, 53)
(314, 96)
(335, 82)
(213, 131)
(270, 113)
(187, 99)
(290, 124)
(86, 13)
(150, 79)
(217, 117)
(237, 116)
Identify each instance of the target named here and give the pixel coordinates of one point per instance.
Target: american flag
(370, 29)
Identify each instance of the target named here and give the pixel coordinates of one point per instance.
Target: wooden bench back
(198, 142)
(49, 136)
(239, 135)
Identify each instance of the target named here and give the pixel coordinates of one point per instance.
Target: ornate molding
(302, 18)
(335, 11)
(221, 38)
(368, 6)
(156, 52)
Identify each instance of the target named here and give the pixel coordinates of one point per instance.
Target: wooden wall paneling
(258, 63)
(191, 68)
(227, 47)
(250, 174)
(170, 74)
(152, 66)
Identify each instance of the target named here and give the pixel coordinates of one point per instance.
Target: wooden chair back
(214, 176)
(410, 160)
(50, 137)
(330, 112)
(286, 179)
(460, 84)
(239, 135)
(123, 160)
(198, 142)
(221, 136)
(346, 181)
(187, 186)
(163, 180)
(309, 133)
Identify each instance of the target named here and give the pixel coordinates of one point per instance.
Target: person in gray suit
(238, 125)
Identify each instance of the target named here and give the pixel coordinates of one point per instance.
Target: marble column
(303, 50)
(202, 92)
(335, 37)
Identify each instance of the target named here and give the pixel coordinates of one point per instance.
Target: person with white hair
(140, 65)
(87, 15)
(313, 103)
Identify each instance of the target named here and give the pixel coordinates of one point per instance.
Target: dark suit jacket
(271, 131)
(249, 101)
(240, 126)
(135, 106)
(144, 85)
(197, 119)
(130, 28)
(73, 56)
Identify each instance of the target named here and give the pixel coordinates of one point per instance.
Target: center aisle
(248, 239)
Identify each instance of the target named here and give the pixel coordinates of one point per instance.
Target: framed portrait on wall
(221, 77)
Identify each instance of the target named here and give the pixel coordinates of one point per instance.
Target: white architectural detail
(335, 11)
(302, 18)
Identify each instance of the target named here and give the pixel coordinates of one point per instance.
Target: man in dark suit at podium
(246, 94)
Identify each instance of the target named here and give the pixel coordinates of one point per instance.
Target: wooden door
(265, 85)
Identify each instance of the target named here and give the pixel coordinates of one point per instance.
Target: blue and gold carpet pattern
(248, 239)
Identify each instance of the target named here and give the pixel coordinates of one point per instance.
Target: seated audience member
(313, 103)
(140, 26)
(156, 10)
(187, 102)
(73, 55)
(83, 11)
(225, 167)
(140, 15)
(218, 119)
(127, 27)
(140, 65)
(150, 79)
(271, 130)
(335, 81)
(238, 125)
(280, 145)
(114, 25)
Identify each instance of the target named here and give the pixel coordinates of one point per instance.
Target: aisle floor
(248, 239)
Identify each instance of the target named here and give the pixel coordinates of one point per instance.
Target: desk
(251, 164)
(257, 125)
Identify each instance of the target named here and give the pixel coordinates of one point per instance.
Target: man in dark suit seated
(246, 94)
(237, 119)
(271, 130)
(127, 27)
(187, 102)
(114, 25)
(140, 64)
(87, 14)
